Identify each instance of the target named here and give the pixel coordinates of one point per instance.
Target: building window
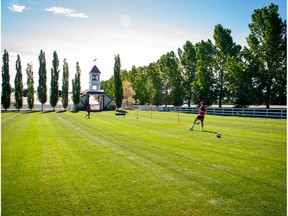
(95, 87)
(95, 77)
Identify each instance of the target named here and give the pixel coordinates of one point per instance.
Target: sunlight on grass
(63, 164)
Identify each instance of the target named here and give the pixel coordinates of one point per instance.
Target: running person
(200, 116)
(88, 109)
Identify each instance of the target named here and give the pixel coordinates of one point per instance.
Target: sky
(140, 31)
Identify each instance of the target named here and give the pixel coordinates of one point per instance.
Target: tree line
(55, 92)
(219, 72)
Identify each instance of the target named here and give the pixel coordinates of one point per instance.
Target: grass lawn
(59, 163)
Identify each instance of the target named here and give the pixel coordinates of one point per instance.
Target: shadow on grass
(47, 111)
(207, 131)
(213, 132)
(41, 111)
(30, 111)
(58, 111)
(121, 112)
(21, 111)
(61, 111)
(34, 111)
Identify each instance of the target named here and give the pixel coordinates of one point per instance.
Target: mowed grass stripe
(134, 158)
(151, 166)
(20, 160)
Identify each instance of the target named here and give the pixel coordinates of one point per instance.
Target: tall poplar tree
(266, 42)
(118, 83)
(54, 92)
(42, 87)
(6, 87)
(18, 85)
(76, 86)
(30, 84)
(65, 84)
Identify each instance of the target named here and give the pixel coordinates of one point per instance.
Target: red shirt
(202, 111)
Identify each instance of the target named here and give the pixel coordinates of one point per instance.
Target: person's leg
(202, 124)
(192, 126)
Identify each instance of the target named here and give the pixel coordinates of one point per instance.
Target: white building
(105, 102)
(94, 78)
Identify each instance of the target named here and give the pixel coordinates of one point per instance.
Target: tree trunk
(75, 108)
(220, 97)
(268, 96)
(221, 89)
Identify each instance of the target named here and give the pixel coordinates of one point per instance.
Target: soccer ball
(218, 135)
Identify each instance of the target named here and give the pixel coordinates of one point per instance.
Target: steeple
(94, 78)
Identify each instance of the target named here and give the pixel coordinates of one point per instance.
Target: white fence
(248, 112)
(38, 107)
(48, 107)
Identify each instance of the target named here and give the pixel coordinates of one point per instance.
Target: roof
(93, 92)
(95, 70)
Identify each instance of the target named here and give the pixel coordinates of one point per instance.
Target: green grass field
(59, 163)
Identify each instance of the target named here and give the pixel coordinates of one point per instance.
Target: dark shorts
(200, 118)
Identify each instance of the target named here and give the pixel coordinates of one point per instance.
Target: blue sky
(139, 30)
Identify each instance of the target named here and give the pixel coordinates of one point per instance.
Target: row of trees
(218, 72)
(213, 72)
(42, 95)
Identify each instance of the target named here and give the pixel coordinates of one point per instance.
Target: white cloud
(66, 12)
(140, 44)
(15, 7)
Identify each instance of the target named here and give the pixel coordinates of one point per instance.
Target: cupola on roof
(95, 70)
